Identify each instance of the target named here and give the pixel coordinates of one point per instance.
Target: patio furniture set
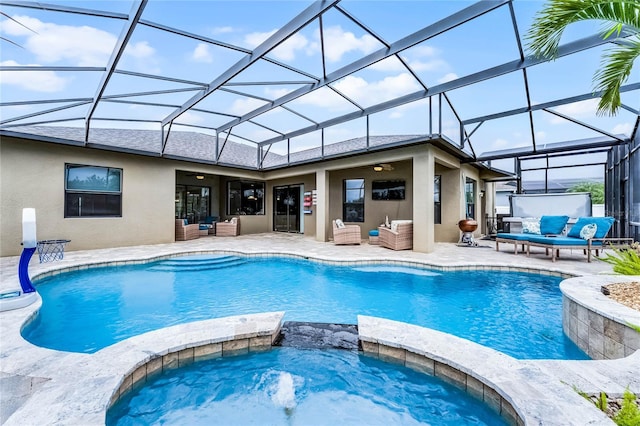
(190, 231)
(550, 232)
(397, 236)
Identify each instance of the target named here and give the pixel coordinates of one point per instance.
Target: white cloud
(586, 108)
(448, 77)
(189, 118)
(140, 50)
(337, 42)
(287, 50)
(375, 92)
(245, 105)
(37, 81)
(399, 112)
(325, 98)
(624, 128)
(222, 30)
(79, 45)
(541, 136)
(254, 40)
(272, 93)
(202, 53)
(83, 45)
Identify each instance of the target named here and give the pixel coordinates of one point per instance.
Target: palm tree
(615, 67)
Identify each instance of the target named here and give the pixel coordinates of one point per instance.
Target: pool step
(197, 263)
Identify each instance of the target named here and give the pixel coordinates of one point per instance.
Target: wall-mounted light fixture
(378, 168)
(200, 177)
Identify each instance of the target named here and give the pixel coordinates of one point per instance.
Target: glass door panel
(286, 209)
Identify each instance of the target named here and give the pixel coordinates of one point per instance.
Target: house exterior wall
(375, 211)
(32, 175)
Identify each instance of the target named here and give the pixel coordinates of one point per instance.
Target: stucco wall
(374, 210)
(32, 175)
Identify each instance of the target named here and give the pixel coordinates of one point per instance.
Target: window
(92, 191)
(192, 203)
(245, 197)
(387, 190)
(470, 197)
(353, 203)
(437, 202)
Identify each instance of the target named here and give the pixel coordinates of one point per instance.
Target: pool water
(516, 313)
(287, 386)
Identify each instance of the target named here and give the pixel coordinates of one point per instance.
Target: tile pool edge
(597, 323)
(519, 391)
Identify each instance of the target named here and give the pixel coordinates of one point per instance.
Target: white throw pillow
(531, 225)
(588, 231)
(339, 223)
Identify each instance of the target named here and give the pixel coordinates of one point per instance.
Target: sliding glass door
(286, 209)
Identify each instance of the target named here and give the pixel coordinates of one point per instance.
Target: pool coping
(33, 361)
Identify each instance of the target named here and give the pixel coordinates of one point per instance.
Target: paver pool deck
(43, 386)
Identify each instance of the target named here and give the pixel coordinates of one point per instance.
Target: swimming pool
(294, 386)
(516, 313)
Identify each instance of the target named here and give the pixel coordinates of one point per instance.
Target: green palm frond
(615, 68)
(544, 35)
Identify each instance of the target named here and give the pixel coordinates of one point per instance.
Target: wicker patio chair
(186, 232)
(398, 237)
(228, 229)
(346, 234)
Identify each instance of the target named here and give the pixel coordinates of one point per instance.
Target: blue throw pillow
(186, 222)
(553, 225)
(603, 226)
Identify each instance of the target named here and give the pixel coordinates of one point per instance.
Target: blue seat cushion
(560, 241)
(512, 236)
(553, 224)
(373, 233)
(202, 227)
(603, 225)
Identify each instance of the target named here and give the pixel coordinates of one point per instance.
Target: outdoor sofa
(230, 228)
(588, 234)
(546, 225)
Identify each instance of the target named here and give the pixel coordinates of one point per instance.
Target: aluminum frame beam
(508, 67)
(445, 24)
(118, 50)
(297, 23)
(67, 9)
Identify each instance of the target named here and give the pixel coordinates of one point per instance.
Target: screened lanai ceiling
(268, 84)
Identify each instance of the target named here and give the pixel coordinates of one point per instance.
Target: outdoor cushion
(553, 225)
(531, 225)
(561, 241)
(603, 223)
(588, 231)
(512, 236)
(340, 224)
(373, 233)
(186, 222)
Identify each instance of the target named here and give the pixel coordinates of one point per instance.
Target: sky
(54, 39)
